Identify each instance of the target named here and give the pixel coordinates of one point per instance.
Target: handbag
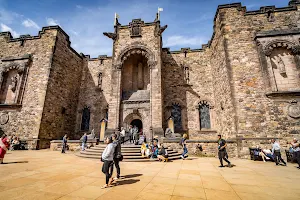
(120, 157)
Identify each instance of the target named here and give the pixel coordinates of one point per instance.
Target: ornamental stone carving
(294, 109)
(135, 27)
(4, 118)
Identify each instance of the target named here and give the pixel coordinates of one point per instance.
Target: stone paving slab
(50, 175)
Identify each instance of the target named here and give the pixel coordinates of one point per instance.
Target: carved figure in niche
(14, 82)
(100, 80)
(135, 30)
(279, 63)
(294, 109)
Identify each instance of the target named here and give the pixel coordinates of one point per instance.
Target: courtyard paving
(45, 175)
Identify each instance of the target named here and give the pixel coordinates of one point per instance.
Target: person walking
(4, 146)
(107, 158)
(117, 155)
(135, 135)
(276, 152)
(222, 153)
(296, 147)
(183, 144)
(64, 144)
(84, 141)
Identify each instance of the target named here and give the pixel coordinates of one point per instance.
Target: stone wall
(187, 81)
(258, 115)
(60, 106)
(94, 94)
(24, 118)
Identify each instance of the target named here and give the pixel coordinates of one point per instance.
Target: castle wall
(187, 80)
(59, 114)
(92, 95)
(24, 118)
(257, 114)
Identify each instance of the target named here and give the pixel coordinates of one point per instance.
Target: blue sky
(190, 22)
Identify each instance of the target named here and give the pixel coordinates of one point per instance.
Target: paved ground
(51, 175)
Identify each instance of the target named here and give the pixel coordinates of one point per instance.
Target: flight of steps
(129, 152)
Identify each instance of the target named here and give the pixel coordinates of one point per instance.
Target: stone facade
(245, 83)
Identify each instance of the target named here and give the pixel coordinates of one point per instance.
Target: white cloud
(5, 28)
(52, 22)
(29, 23)
(7, 16)
(78, 6)
(178, 40)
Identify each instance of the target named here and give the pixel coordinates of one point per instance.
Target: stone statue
(280, 64)
(14, 82)
(169, 133)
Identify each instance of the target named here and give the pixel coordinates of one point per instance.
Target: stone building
(245, 83)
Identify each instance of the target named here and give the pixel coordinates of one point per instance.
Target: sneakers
(115, 178)
(221, 166)
(264, 161)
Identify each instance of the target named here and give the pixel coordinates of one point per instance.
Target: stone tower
(136, 93)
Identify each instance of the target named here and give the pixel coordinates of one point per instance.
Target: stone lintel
(24, 57)
(283, 94)
(273, 33)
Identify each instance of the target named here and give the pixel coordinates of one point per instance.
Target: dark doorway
(138, 123)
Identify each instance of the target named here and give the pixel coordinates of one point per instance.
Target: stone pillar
(114, 105)
(140, 77)
(156, 97)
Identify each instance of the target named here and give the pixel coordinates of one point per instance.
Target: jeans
(185, 151)
(222, 156)
(63, 150)
(278, 157)
(83, 146)
(298, 157)
(117, 162)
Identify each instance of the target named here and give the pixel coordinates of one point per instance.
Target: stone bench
(74, 145)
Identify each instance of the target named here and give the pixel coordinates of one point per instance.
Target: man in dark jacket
(117, 155)
(64, 144)
(222, 151)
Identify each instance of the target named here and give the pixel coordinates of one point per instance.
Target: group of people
(134, 134)
(274, 154)
(154, 150)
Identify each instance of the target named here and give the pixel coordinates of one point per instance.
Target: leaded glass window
(85, 121)
(176, 115)
(204, 115)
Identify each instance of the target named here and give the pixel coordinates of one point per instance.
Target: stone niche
(13, 74)
(280, 60)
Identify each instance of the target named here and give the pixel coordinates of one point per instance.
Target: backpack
(181, 142)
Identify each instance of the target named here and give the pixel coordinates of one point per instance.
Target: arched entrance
(138, 123)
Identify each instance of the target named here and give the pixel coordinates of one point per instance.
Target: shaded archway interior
(135, 75)
(138, 123)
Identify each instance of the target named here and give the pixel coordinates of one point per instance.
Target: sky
(190, 22)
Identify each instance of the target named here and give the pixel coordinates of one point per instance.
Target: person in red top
(4, 146)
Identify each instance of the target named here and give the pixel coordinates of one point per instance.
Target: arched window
(85, 121)
(176, 115)
(204, 115)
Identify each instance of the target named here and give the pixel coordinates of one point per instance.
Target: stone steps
(129, 152)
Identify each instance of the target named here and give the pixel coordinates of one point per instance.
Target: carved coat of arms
(294, 110)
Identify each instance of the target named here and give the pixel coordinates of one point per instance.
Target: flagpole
(115, 21)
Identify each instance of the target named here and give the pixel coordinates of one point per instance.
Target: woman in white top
(107, 158)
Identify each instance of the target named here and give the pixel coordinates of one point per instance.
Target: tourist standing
(135, 135)
(107, 159)
(117, 155)
(4, 146)
(296, 147)
(122, 135)
(84, 141)
(130, 133)
(183, 144)
(64, 144)
(276, 152)
(222, 151)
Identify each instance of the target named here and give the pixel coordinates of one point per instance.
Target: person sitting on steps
(163, 154)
